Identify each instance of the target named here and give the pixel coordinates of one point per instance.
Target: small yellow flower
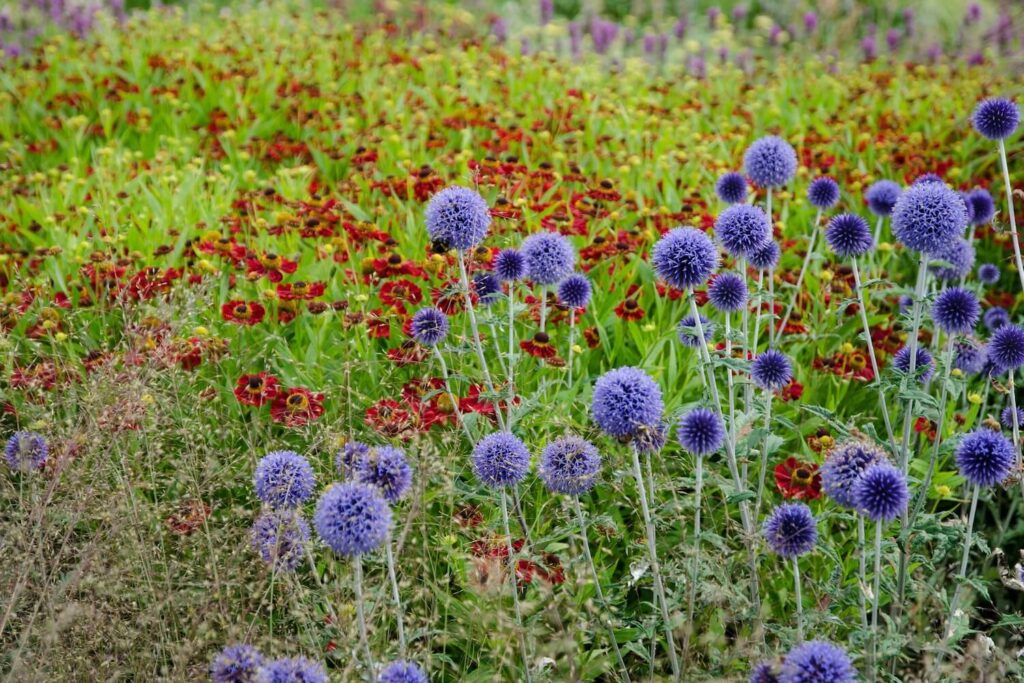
(943, 491)
(847, 348)
(974, 398)
(201, 331)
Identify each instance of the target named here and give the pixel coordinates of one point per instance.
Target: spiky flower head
(386, 468)
(843, 468)
(959, 256)
(764, 673)
(823, 192)
(569, 465)
(983, 207)
(487, 288)
(237, 663)
(849, 235)
(731, 187)
(790, 530)
(625, 402)
(1006, 417)
(348, 457)
(985, 457)
(701, 431)
(924, 366)
(881, 492)
(688, 333)
(26, 451)
(771, 370)
(549, 257)
(765, 257)
(509, 265)
(988, 273)
(283, 479)
(1006, 347)
(770, 161)
(817, 662)
(742, 229)
(956, 310)
(352, 518)
(574, 291)
(402, 672)
(684, 257)
(970, 357)
(928, 218)
(429, 326)
(881, 197)
(728, 292)
(279, 537)
(996, 118)
(292, 670)
(500, 459)
(457, 218)
(995, 317)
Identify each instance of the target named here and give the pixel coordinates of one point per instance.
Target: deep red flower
(304, 291)
(255, 390)
(390, 418)
(539, 346)
(271, 266)
(629, 309)
(397, 293)
(798, 480)
(243, 313)
(295, 407)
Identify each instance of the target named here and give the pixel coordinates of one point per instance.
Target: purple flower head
(684, 257)
(970, 358)
(26, 451)
(651, 439)
(926, 178)
(893, 37)
(688, 334)
(881, 197)
(731, 187)
(509, 265)
(403, 672)
(429, 326)
(764, 673)
(996, 118)
(457, 218)
(292, 670)
(574, 291)
(386, 468)
(983, 208)
(823, 192)
(929, 217)
(283, 479)
(995, 317)
(810, 22)
(924, 367)
(728, 292)
(817, 662)
(790, 530)
(771, 370)
(849, 235)
(985, 457)
(770, 161)
(1006, 347)
(843, 468)
(973, 13)
(500, 459)
(765, 257)
(1006, 417)
(569, 465)
(959, 256)
(701, 431)
(487, 288)
(549, 257)
(349, 456)
(869, 47)
(352, 518)
(988, 273)
(881, 492)
(742, 229)
(236, 664)
(499, 28)
(547, 11)
(956, 310)
(625, 402)
(279, 537)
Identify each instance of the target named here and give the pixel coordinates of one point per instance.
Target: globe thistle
(742, 229)
(625, 401)
(959, 256)
(995, 317)
(983, 208)
(684, 257)
(728, 292)
(457, 218)
(651, 439)
(969, 206)
(352, 518)
(349, 456)
(386, 468)
(487, 288)
(1006, 348)
(731, 187)
(881, 197)
(701, 431)
(574, 291)
(817, 662)
(500, 460)
(881, 492)
(26, 451)
(236, 664)
(549, 257)
(292, 670)
(849, 235)
(429, 326)
(686, 330)
(1006, 417)
(509, 265)
(969, 358)
(843, 468)
(906, 302)
(771, 370)
(924, 367)
(823, 193)
(929, 218)
(402, 672)
(283, 479)
(988, 273)
(279, 537)
(996, 118)
(926, 178)
(764, 673)
(790, 530)
(770, 162)
(766, 257)
(956, 310)
(985, 457)
(569, 465)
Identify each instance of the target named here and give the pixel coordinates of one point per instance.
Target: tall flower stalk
(803, 270)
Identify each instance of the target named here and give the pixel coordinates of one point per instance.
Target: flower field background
(279, 406)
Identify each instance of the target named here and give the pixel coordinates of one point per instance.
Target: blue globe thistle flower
(969, 206)
(569, 465)
(742, 229)
(349, 456)
(823, 192)
(960, 257)
(429, 326)
(926, 178)
(626, 400)
(574, 291)
(386, 468)
(549, 257)
(651, 439)
(996, 118)
(771, 370)
(770, 161)
(881, 197)
(236, 664)
(924, 367)
(283, 479)
(843, 468)
(766, 257)
(458, 218)
(26, 451)
(509, 265)
(929, 218)
(817, 662)
(988, 273)
(906, 302)
(983, 207)
(790, 530)
(881, 492)
(956, 310)
(731, 187)
(352, 518)
(764, 673)
(684, 257)
(500, 460)
(279, 537)
(969, 358)
(487, 288)
(995, 317)
(402, 672)
(701, 431)
(1006, 417)
(686, 330)
(1006, 348)
(292, 670)
(985, 457)
(728, 292)
(849, 235)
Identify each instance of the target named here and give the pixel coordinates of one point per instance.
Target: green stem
(361, 618)
(515, 588)
(478, 344)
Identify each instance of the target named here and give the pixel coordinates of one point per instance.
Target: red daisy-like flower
(798, 480)
(300, 291)
(243, 313)
(397, 293)
(271, 266)
(629, 310)
(255, 390)
(539, 346)
(390, 418)
(295, 407)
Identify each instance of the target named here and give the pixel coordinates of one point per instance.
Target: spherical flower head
(26, 451)
(283, 479)
(849, 235)
(386, 468)
(1006, 347)
(882, 196)
(500, 460)
(574, 291)
(817, 662)
(690, 336)
(570, 465)
(790, 530)
(983, 208)
(763, 673)
(988, 273)
(956, 310)
(626, 400)
(429, 326)
(731, 187)
(487, 288)
(349, 456)
(292, 670)
(770, 162)
(959, 256)
(651, 439)
(1006, 417)
(458, 218)
(701, 431)
(728, 292)
(684, 257)
(236, 664)
(279, 537)
(402, 672)
(352, 518)
(771, 370)
(995, 317)
(985, 457)
(843, 468)
(924, 367)
(509, 265)
(996, 118)
(766, 256)
(928, 218)
(823, 193)
(742, 229)
(549, 257)
(881, 492)
(970, 358)
(925, 178)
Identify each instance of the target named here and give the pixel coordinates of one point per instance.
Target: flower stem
(799, 600)
(396, 596)
(878, 229)
(862, 574)
(361, 618)
(764, 453)
(862, 305)
(476, 338)
(511, 351)
(1013, 218)
(911, 376)
(572, 340)
(922, 494)
(451, 394)
(513, 565)
(875, 598)
(757, 316)
(961, 577)
(695, 562)
(1016, 426)
(543, 308)
(803, 270)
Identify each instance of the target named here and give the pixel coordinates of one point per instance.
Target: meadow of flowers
(408, 346)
